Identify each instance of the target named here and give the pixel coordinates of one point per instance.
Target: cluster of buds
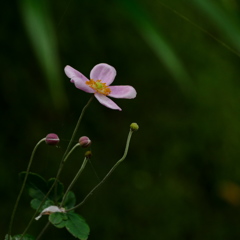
(53, 139)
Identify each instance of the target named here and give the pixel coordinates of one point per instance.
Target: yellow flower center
(98, 86)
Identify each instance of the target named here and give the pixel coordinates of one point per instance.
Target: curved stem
(77, 125)
(74, 180)
(108, 174)
(23, 185)
(45, 197)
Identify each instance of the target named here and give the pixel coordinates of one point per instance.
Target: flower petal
(71, 73)
(78, 79)
(50, 210)
(107, 102)
(122, 92)
(103, 72)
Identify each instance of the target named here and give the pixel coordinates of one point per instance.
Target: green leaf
(70, 200)
(19, 236)
(35, 203)
(38, 188)
(7, 237)
(77, 226)
(59, 192)
(58, 219)
(73, 222)
(37, 185)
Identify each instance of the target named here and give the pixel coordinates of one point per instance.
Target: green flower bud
(134, 127)
(88, 154)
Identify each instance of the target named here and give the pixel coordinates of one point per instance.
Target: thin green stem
(45, 197)
(108, 174)
(22, 188)
(77, 125)
(74, 180)
(43, 230)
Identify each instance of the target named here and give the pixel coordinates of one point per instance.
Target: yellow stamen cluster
(98, 86)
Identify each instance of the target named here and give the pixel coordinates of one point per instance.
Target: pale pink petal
(103, 72)
(82, 85)
(122, 92)
(50, 210)
(107, 102)
(78, 79)
(71, 73)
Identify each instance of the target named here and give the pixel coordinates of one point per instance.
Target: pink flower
(101, 76)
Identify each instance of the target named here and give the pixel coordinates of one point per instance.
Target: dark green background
(181, 179)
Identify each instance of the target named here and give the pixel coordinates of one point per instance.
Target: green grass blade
(40, 29)
(158, 44)
(225, 22)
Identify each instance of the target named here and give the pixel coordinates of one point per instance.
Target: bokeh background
(181, 179)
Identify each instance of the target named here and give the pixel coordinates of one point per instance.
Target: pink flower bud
(52, 139)
(84, 142)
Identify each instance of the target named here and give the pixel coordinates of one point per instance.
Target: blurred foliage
(38, 25)
(181, 179)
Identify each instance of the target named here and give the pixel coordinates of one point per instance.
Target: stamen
(98, 86)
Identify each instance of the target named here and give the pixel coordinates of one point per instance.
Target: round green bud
(134, 127)
(88, 154)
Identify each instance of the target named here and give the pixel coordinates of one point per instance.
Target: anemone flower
(101, 77)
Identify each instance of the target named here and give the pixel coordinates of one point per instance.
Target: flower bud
(88, 154)
(84, 142)
(52, 139)
(134, 127)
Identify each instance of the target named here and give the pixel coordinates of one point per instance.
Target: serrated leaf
(77, 226)
(58, 219)
(70, 200)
